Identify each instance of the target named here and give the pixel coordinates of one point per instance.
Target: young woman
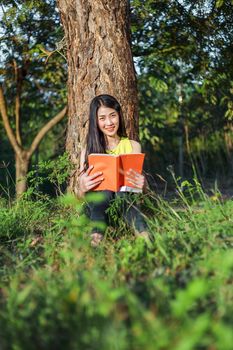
(107, 134)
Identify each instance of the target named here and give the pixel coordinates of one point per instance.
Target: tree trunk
(228, 137)
(21, 165)
(99, 62)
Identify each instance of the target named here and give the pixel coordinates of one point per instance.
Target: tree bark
(228, 137)
(21, 167)
(99, 62)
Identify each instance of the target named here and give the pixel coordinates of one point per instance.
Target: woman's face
(108, 121)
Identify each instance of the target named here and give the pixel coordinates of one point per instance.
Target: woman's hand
(87, 182)
(135, 178)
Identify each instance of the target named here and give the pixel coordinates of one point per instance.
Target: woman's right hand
(88, 182)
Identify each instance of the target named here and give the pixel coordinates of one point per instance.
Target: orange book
(114, 168)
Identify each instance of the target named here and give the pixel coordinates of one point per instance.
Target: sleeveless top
(124, 146)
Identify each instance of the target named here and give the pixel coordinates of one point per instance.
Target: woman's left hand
(135, 178)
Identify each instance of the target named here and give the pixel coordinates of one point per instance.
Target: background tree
(183, 47)
(99, 61)
(32, 92)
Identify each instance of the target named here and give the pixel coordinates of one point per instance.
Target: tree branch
(45, 129)
(7, 126)
(18, 82)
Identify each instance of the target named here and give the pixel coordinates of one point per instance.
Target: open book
(114, 168)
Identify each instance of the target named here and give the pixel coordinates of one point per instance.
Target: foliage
(53, 173)
(29, 28)
(57, 291)
(182, 51)
(32, 70)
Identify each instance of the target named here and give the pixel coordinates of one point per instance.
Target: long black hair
(95, 141)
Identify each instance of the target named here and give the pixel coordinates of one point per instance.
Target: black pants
(100, 213)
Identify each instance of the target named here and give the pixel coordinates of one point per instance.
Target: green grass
(57, 292)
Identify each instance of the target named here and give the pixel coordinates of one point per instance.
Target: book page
(131, 161)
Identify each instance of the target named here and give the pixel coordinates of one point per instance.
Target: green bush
(175, 293)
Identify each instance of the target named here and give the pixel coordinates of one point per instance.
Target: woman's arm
(87, 182)
(138, 180)
(79, 192)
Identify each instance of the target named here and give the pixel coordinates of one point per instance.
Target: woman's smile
(110, 128)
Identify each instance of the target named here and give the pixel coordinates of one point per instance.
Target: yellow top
(124, 146)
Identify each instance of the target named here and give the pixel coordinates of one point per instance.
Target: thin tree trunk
(21, 165)
(99, 62)
(228, 137)
(181, 156)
